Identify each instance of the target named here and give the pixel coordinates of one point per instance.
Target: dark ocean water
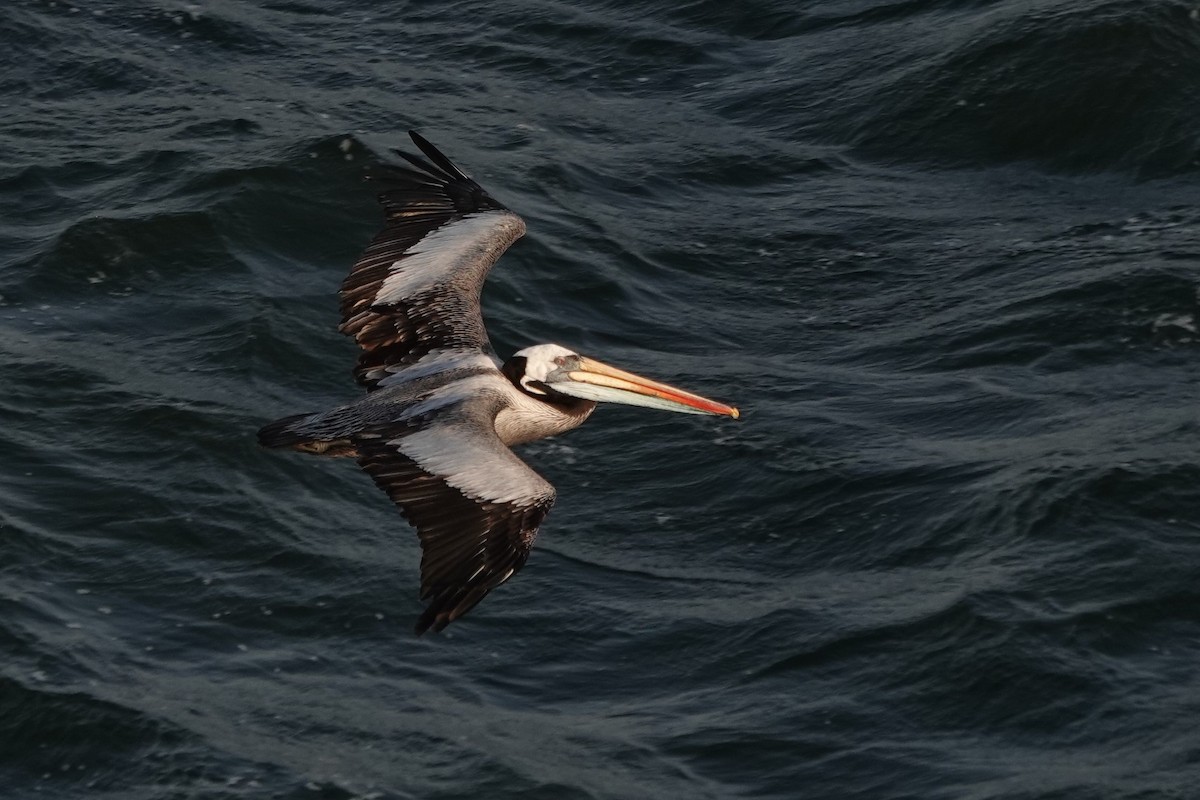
(944, 254)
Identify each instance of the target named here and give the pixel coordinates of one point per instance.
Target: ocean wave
(1074, 87)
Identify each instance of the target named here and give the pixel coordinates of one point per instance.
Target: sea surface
(944, 254)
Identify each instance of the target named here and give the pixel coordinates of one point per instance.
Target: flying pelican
(441, 411)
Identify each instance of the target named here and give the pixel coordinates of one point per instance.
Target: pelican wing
(416, 287)
(475, 505)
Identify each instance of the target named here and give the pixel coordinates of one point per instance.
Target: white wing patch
(445, 250)
(477, 465)
(454, 392)
(438, 361)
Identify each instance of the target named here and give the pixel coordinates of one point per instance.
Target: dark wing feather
(445, 167)
(475, 505)
(416, 287)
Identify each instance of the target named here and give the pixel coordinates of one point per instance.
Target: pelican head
(546, 370)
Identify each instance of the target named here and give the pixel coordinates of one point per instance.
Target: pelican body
(441, 411)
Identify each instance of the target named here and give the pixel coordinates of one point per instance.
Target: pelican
(441, 411)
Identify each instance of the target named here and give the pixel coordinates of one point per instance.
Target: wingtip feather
(437, 156)
(432, 620)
